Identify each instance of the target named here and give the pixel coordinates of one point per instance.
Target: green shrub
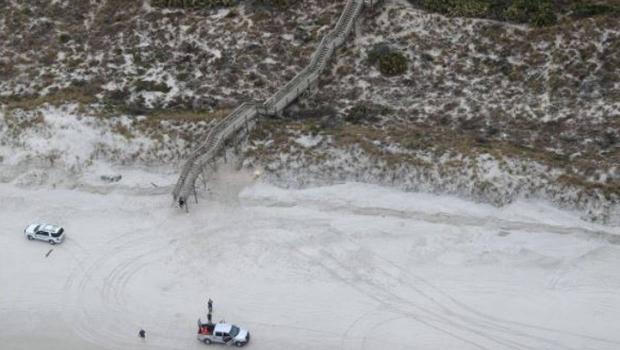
(545, 16)
(473, 8)
(521, 10)
(113, 98)
(536, 12)
(274, 3)
(366, 112)
(147, 85)
(581, 10)
(64, 38)
(437, 6)
(390, 62)
(461, 8)
(378, 51)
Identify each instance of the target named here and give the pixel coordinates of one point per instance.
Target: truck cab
(222, 333)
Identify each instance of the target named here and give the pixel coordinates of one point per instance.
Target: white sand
(343, 267)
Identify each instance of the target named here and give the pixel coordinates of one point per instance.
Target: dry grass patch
(64, 96)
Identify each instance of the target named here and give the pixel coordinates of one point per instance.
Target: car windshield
(57, 234)
(234, 330)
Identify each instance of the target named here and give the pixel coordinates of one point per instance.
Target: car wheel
(207, 341)
(239, 344)
(30, 238)
(52, 242)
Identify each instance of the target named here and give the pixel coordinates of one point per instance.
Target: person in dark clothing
(209, 317)
(210, 305)
(142, 333)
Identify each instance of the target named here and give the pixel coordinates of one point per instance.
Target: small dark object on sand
(111, 178)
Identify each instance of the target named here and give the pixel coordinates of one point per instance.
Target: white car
(52, 234)
(222, 333)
